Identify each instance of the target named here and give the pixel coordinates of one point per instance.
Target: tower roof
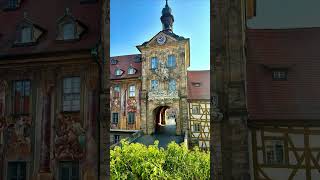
(167, 18)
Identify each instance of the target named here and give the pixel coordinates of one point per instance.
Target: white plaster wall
(314, 141)
(297, 139)
(277, 173)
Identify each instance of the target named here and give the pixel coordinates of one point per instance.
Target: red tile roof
(45, 14)
(296, 49)
(123, 63)
(203, 91)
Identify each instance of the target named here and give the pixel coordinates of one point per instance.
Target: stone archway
(164, 120)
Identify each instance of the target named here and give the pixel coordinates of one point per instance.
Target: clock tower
(165, 59)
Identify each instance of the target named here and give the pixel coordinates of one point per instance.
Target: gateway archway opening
(165, 120)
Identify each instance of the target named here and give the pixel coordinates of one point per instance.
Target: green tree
(137, 161)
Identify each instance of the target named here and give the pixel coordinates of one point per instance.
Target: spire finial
(166, 2)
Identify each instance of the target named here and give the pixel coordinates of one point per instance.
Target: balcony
(163, 95)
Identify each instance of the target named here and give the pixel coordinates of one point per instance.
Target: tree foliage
(137, 161)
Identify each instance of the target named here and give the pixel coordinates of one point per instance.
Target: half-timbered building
(283, 103)
(49, 89)
(199, 108)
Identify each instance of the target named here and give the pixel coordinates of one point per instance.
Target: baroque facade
(151, 87)
(49, 90)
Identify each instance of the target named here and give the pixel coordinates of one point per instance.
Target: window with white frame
(69, 170)
(171, 63)
(154, 84)
(26, 35)
(68, 31)
(131, 70)
(132, 91)
(17, 170)
(71, 94)
(275, 151)
(172, 85)
(154, 63)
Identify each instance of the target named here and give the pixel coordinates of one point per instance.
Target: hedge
(137, 161)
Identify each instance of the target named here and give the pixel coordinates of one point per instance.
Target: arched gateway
(165, 59)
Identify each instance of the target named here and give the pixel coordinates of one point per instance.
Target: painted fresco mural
(70, 138)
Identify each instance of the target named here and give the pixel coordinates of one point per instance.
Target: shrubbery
(137, 161)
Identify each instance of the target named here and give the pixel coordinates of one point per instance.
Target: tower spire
(167, 18)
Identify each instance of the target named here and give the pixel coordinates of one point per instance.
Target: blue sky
(136, 21)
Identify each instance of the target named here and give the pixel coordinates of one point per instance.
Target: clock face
(161, 39)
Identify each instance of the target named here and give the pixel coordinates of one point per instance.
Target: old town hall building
(150, 88)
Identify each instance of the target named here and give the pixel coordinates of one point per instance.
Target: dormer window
(69, 28)
(279, 75)
(68, 31)
(131, 70)
(114, 61)
(118, 72)
(26, 35)
(196, 84)
(27, 32)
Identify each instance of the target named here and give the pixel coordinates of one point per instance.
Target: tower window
(172, 85)
(13, 4)
(154, 84)
(279, 75)
(132, 91)
(68, 31)
(196, 84)
(154, 63)
(171, 61)
(26, 34)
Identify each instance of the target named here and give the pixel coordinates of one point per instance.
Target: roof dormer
(69, 28)
(27, 32)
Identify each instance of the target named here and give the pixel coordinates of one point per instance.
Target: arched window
(68, 31)
(171, 63)
(26, 34)
(154, 63)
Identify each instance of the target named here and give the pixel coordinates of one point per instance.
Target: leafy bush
(137, 161)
